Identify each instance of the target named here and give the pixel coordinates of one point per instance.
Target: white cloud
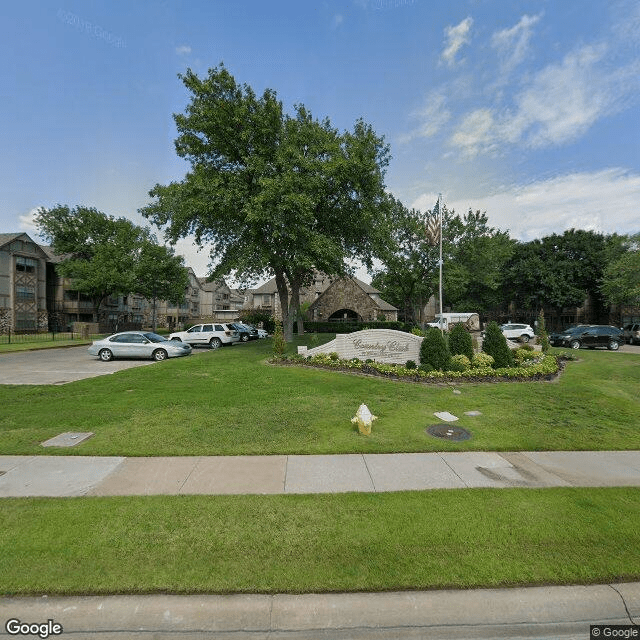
(432, 117)
(605, 201)
(184, 50)
(562, 102)
(27, 222)
(338, 19)
(512, 44)
(456, 38)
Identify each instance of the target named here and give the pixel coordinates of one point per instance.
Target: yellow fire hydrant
(364, 419)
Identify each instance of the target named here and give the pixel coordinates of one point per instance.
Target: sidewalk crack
(366, 466)
(626, 608)
(195, 466)
(453, 470)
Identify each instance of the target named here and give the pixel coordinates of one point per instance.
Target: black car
(245, 331)
(593, 335)
(556, 338)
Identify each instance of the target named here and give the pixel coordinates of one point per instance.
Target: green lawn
(232, 402)
(348, 542)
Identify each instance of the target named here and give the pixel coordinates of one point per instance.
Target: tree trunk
(287, 317)
(295, 306)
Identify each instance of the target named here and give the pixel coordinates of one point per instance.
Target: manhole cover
(448, 432)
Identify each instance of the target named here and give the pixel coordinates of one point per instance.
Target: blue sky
(528, 110)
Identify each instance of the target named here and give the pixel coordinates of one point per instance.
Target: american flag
(432, 229)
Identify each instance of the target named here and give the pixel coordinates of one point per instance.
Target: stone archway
(344, 315)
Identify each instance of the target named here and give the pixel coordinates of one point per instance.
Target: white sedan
(522, 332)
(137, 344)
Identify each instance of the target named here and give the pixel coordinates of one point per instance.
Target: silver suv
(207, 335)
(522, 332)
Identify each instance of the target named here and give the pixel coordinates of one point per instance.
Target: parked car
(137, 344)
(245, 331)
(207, 335)
(592, 336)
(522, 332)
(632, 333)
(262, 333)
(556, 338)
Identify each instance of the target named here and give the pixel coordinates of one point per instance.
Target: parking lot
(58, 366)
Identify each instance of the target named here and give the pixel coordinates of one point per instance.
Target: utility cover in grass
(446, 432)
(473, 413)
(68, 439)
(446, 416)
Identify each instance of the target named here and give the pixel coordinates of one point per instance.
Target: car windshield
(154, 337)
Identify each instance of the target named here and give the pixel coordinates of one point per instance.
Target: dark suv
(593, 335)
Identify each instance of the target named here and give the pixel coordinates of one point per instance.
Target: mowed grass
(347, 542)
(233, 402)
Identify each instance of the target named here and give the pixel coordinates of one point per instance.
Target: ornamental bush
(434, 350)
(460, 342)
(541, 332)
(459, 362)
(495, 344)
(482, 361)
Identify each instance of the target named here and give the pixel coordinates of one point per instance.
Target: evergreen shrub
(434, 350)
(495, 344)
(460, 342)
(459, 362)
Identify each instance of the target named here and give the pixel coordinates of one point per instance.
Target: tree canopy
(621, 277)
(107, 256)
(272, 193)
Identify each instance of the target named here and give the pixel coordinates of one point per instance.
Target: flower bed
(545, 367)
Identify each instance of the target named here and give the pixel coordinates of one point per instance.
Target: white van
(446, 320)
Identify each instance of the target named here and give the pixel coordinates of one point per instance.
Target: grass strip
(297, 544)
(232, 402)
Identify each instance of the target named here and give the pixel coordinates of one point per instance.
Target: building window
(25, 320)
(26, 265)
(25, 293)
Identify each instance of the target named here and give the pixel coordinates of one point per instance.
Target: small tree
(541, 332)
(495, 344)
(434, 350)
(460, 342)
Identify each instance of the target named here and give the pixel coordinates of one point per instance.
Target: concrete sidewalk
(67, 476)
(534, 612)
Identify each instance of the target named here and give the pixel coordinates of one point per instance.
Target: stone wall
(381, 345)
(344, 294)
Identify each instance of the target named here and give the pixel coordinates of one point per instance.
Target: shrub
(459, 362)
(481, 360)
(334, 355)
(495, 344)
(460, 342)
(416, 331)
(434, 349)
(523, 355)
(426, 367)
(410, 364)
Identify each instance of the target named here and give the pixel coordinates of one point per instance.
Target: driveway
(58, 366)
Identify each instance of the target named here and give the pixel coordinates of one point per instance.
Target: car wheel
(177, 339)
(105, 355)
(525, 338)
(614, 345)
(244, 338)
(159, 355)
(215, 343)
(575, 344)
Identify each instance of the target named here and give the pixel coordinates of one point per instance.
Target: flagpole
(440, 261)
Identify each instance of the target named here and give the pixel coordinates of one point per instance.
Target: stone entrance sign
(381, 345)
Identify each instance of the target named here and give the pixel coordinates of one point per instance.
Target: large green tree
(474, 255)
(107, 256)
(272, 193)
(621, 277)
(560, 271)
